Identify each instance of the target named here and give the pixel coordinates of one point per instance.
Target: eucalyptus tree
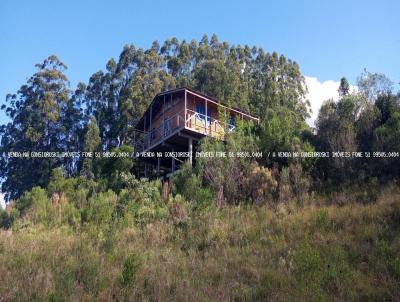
(39, 113)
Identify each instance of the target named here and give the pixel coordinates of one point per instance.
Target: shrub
(76, 189)
(189, 184)
(69, 214)
(226, 176)
(5, 220)
(300, 182)
(36, 205)
(141, 202)
(294, 183)
(396, 267)
(129, 271)
(178, 210)
(260, 184)
(234, 178)
(113, 167)
(87, 269)
(100, 208)
(308, 263)
(285, 192)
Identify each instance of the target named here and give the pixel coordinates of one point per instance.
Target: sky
(328, 39)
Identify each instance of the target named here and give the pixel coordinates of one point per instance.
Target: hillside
(175, 253)
(262, 223)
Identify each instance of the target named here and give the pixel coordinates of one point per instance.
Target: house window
(201, 113)
(167, 127)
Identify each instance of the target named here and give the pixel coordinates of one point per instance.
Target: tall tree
(344, 87)
(72, 125)
(241, 76)
(91, 144)
(337, 132)
(372, 85)
(36, 113)
(244, 77)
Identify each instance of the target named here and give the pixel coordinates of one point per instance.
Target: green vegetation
(121, 248)
(47, 116)
(232, 228)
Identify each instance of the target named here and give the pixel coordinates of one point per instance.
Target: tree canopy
(48, 116)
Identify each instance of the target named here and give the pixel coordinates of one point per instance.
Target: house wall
(192, 101)
(177, 108)
(169, 111)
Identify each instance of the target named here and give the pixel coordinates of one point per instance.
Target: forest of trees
(46, 115)
(243, 229)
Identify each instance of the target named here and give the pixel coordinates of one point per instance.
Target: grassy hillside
(240, 253)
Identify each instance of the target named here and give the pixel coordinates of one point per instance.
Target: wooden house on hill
(173, 124)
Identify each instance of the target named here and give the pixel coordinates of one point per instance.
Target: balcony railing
(188, 119)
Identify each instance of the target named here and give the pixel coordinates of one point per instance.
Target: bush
(260, 184)
(141, 202)
(76, 189)
(36, 205)
(113, 167)
(294, 183)
(129, 271)
(189, 184)
(308, 263)
(5, 220)
(226, 176)
(300, 182)
(396, 267)
(100, 208)
(285, 193)
(234, 179)
(178, 210)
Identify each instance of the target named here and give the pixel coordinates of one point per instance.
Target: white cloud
(318, 92)
(2, 202)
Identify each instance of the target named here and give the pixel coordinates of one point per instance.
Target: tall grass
(237, 253)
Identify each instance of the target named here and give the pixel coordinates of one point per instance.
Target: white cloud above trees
(2, 203)
(318, 92)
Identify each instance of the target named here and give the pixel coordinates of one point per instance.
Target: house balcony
(184, 123)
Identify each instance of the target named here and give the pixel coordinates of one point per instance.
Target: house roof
(157, 101)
